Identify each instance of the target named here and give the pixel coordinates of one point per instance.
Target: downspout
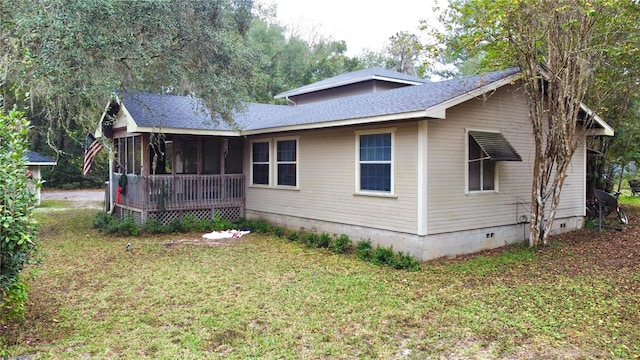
(111, 187)
(291, 102)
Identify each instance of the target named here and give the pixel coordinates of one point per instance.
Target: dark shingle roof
(170, 111)
(36, 158)
(352, 78)
(184, 112)
(396, 101)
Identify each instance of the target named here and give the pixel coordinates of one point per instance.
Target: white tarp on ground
(225, 234)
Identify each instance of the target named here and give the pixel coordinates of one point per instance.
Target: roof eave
(338, 123)
(134, 128)
(604, 130)
(42, 163)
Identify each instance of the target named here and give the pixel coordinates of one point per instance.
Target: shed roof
(34, 158)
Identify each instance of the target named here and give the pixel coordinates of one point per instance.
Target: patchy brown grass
(172, 297)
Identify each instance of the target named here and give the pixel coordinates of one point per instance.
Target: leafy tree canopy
(63, 59)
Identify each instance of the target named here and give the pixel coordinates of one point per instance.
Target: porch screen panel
(137, 154)
(233, 160)
(211, 156)
(130, 155)
(189, 156)
(260, 163)
(121, 165)
(375, 162)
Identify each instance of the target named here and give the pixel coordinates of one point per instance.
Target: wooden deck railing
(180, 192)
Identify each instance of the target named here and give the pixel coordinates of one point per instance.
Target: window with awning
(485, 149)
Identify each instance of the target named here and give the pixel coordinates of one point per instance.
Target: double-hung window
(260, 162)
(282, 166)
(375, 161)
(287, 161)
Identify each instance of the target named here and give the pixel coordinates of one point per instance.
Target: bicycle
(608, 203)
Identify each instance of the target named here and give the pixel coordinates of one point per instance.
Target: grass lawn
(262, 297)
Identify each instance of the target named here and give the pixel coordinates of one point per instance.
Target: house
(34, 161)
(430, 168)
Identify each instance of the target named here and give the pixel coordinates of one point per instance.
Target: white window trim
(269, 141)
(276, 162)
(358, 191)
(496, 175)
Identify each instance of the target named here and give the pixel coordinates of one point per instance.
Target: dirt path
(85, 198)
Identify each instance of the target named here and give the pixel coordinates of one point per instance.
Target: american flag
(91, 148)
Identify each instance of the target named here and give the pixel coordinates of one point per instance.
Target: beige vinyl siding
(327, 182)
(449, 206)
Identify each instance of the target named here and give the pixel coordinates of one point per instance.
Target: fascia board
(41, 163)
(322, 125)
(178, 131)
(606, 130)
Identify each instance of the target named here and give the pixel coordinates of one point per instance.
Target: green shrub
(364, 250)
(13, 300)
(220, 224)
(324, 241)
(112, 225)
(278, 231)
(102, 221)
(407, 262)
(18, 230)
(125, 227)
(293, 235)
(340, 244)
(153, 226)
(192, 224)
(175, 226)
(311, 239)
(383, 256)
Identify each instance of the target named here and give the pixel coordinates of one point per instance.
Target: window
(375, 162)
(260, 163)
(283, 166)
(485, 149)
(286, 159)
(481, 168)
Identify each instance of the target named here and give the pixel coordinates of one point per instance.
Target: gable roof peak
(373, 73)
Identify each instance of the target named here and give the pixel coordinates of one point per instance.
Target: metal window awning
(495, 146)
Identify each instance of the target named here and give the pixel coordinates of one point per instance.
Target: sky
(361, 24)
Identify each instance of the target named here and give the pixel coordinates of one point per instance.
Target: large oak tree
(62, 59)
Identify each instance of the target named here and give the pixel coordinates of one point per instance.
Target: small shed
(34, 161)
